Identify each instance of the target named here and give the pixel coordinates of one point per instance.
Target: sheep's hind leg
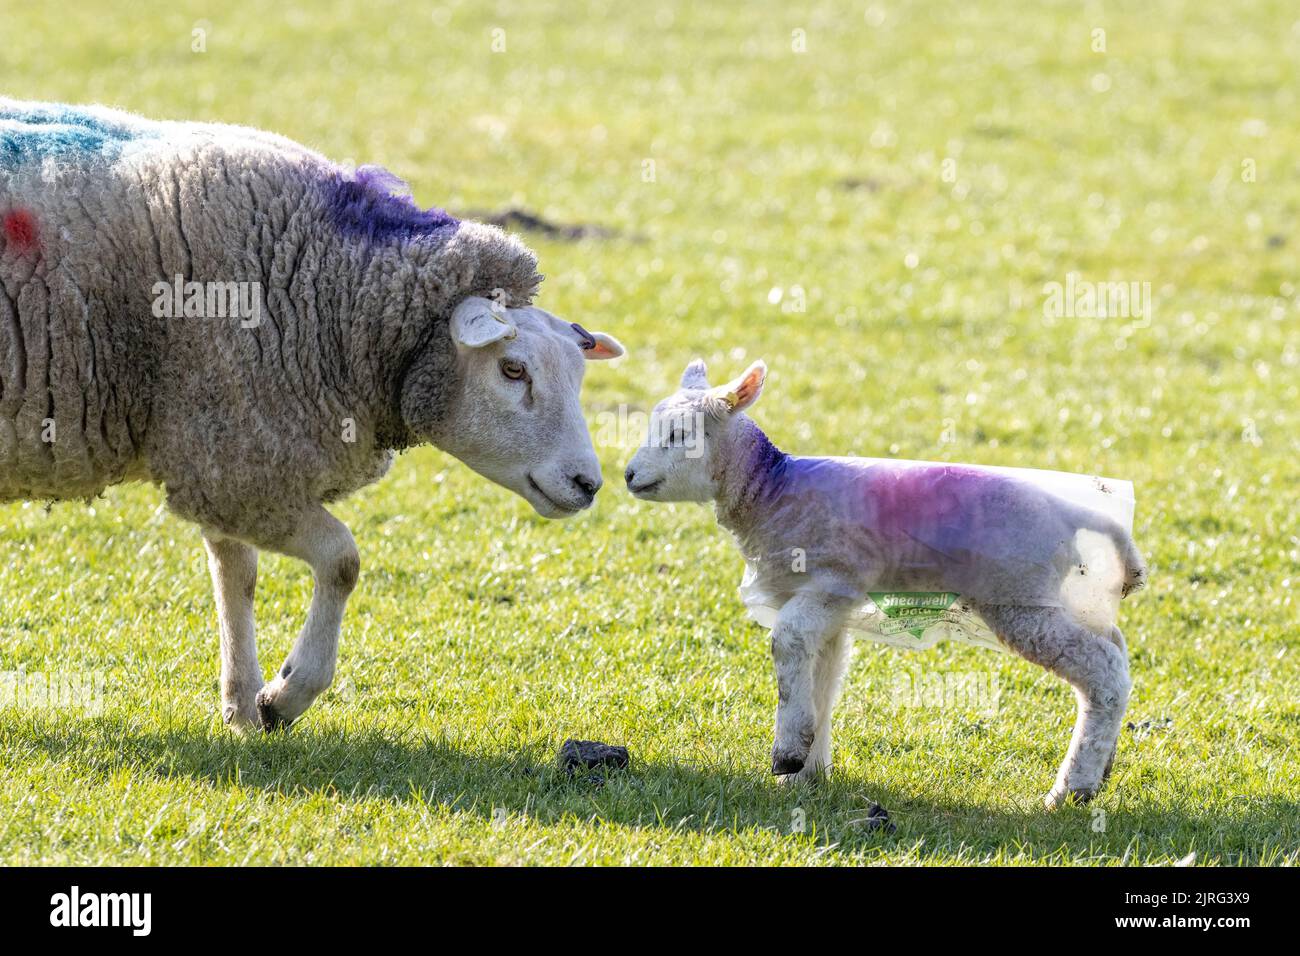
(1116, 638)
(1095, 666)
(325, 543)
(233, 565)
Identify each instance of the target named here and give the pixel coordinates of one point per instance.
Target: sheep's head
(515, 417)
(688, 432)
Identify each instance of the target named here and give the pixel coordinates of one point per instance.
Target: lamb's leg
(803, 628)
(1095, 666)
(1116, 638)
(234, 578)
(828, 674)
(325, 543)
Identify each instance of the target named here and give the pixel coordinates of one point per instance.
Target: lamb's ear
(696, 375)
(477, 322)
(742, 392)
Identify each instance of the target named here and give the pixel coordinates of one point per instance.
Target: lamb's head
(683, 456)
(515, 417)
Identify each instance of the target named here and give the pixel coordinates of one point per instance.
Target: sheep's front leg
(828, 675)
(233, 565)
(325, 543)
(803, 628)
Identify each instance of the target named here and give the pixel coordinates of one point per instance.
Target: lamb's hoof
(786, 764)
(1063, 796)
(270, 717)
(240, 720)
(810, 775)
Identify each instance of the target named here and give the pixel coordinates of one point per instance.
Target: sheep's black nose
(588, 486)
(629, 474)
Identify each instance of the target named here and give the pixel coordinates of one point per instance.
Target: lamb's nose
(629, 474)
(588, 486)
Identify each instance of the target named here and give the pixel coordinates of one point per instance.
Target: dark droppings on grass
(876, 820)
(577, 755)
(523, 220)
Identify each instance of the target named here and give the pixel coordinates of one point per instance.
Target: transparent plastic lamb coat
(916, 547)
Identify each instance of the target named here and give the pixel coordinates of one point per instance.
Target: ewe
(349, 324)
(856, 526)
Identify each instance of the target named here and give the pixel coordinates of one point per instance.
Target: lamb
(858, 526)
(351, 324)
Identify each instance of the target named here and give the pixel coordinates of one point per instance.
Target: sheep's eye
(513, 370)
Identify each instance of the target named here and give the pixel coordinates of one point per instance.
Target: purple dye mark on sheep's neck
(764, 470)
(373, 204)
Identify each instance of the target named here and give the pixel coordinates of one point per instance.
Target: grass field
(876, 216)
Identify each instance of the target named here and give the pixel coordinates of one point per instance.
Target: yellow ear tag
(732, 399)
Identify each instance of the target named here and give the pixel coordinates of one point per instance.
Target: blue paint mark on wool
(33, 132)
(373, 204)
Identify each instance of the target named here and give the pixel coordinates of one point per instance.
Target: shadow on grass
(370, 766)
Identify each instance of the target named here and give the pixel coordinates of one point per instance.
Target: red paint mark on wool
(20, 230)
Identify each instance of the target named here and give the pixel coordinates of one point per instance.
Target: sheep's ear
(696, 375)
(742, 392)
(478, 322)
(595, 346)
(606, 347)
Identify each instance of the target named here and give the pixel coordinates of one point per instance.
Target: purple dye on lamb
(934, 498)
(915, 521)
(374, 204)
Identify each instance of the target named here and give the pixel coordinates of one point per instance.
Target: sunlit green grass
(799, 209)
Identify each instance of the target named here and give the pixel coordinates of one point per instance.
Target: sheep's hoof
(1063, 796)
(271, 719)
(239, 720)
(809, 775)
(786, 763)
